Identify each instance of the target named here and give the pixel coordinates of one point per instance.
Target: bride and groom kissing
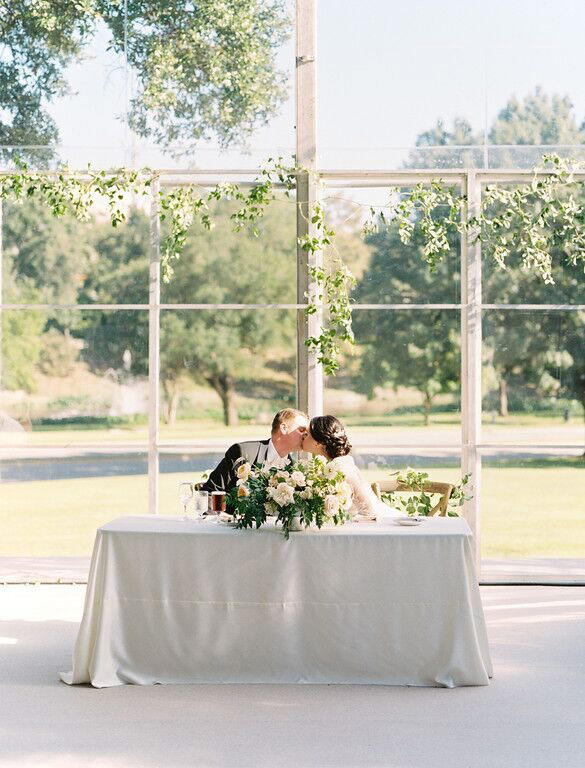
(293, 431)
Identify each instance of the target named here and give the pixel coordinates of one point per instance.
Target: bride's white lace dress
(365, 501)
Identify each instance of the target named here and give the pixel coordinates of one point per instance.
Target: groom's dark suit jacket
(223, 477)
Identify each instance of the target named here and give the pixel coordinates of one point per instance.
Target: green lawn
(531, 512)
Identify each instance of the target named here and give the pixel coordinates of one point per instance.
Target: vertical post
(309, 371)
(471, 360)
(1, 287)
(154, 351)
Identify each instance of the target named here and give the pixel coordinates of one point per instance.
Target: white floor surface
(532, 714)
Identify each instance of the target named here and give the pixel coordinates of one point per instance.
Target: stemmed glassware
(185, 495)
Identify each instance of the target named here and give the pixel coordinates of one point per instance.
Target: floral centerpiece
(297, 494)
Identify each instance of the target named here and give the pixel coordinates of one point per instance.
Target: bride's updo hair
(330, 433)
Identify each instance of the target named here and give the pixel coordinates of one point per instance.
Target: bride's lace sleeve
(364, 499)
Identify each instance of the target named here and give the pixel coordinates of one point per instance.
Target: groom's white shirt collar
(271, 454)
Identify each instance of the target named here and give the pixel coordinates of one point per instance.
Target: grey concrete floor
(530, 716)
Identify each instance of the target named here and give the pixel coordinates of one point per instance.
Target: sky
(386, 71)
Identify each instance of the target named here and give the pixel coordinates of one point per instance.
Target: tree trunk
(171, 401)
(427, 404)
(223, 384)
(503, 386)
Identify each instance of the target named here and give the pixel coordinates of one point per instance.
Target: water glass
(185, 495)
(201, 503)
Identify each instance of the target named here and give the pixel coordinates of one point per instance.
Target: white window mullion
(471, 343)
(154, 352)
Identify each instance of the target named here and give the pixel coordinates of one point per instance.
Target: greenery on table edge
(420, 501)
(545, 209)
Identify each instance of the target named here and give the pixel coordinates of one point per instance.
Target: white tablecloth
(173, 601)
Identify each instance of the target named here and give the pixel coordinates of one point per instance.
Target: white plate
(408, 520)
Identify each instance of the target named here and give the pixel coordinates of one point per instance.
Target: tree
(52, 254)
(204, 69)
(521, 350)
(418, 349)
(224, 349)
(537, 119)
(21, 336)
(39, 39)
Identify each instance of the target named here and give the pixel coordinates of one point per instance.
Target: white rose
(306, 494)
(331, 471)
(243, 491)
(243, 471)
(310, 482)
(270, 508)
(331, 505)
(298, 479)
(284, 494)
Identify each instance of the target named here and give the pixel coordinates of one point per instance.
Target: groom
(289, 427)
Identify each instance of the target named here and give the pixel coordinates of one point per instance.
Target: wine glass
(185, 495)
(201, 504)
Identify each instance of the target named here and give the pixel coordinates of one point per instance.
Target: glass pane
(387, 271)
(71, 377)
(50, 260)
(465, 78)
(357, 50)
(532, 512)
(222, 266)
(53, 501)
(533, 370)
(224, 373)
(400, 384)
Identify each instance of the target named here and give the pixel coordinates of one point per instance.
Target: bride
(326, 437)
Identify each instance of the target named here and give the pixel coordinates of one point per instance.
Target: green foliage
(21, 336)
(535, 220)
(58, 355)
(180, 209)
(39, 39)
(203, 71)
(51, 255)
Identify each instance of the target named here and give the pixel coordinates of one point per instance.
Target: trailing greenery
(182, 207)
(533, 220)
(529, 220)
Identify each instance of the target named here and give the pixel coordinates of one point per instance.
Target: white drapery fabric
(173, 601)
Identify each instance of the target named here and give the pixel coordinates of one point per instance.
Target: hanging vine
(529, 220)
(184, 206)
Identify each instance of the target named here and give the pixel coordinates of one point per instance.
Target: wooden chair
(393, 486)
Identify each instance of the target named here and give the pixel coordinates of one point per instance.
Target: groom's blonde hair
(285, 417)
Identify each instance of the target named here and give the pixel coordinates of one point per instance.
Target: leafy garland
(529, 220)
(182, 207)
